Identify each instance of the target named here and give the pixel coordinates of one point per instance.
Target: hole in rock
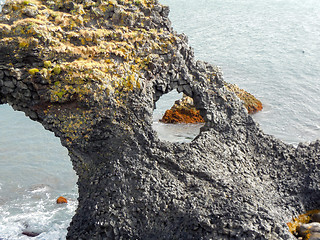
(35, 170)
(169, 129)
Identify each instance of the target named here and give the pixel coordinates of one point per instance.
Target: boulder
(306, 226)
(61, 200)
(30, 234)
(309, 229)
(183, 111)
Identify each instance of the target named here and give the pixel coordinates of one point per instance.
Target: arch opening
(168, 127)
(35, 170)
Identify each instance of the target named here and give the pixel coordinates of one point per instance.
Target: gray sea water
(271, 48)
(34, 171)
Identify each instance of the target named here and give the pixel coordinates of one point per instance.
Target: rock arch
(91, 72)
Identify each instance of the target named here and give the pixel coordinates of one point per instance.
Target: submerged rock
(30, 234)
(91, 71)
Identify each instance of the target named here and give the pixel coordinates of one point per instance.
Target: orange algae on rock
(251, 103)
(183, 111)
(301, 219)
(61, 200)
(182, 115)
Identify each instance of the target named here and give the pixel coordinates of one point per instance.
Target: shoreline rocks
(306, 226)
(30, 234)
(183, 111)
(251, 103)
(61, 200)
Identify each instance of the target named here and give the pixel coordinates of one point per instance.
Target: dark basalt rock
(92, 71)
(30, 234)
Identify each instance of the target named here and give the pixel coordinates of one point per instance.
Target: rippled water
(34, 171)
(270, 48)
(181, 133)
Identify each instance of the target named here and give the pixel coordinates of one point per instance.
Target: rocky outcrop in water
(91, 71)
(183, 111)
(251, 103)
(61, 200)
(30, 234)
(306, 226)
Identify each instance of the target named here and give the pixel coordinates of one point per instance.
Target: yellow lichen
(301, 219)
(23, 44)
(57, 69)
(33, 71)
(47, 64)
(96, 62)
(250, 102)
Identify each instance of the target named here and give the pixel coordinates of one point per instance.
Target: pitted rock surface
(91, 72)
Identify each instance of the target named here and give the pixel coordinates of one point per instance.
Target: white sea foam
(34, 172)
(39, 188)
(42, 216)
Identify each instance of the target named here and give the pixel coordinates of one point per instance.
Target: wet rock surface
(61, 200)
(91, 71)
(30, 234)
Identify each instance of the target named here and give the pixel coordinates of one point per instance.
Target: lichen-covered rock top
(71, 55)
(92, 71)
(79, 53)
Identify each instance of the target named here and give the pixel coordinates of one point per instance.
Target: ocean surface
(34, 171)
(270, 48)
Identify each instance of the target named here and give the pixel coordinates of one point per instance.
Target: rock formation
(252, 104)
(183, 111)
(306, 226)
(91, 71)
(30, 234)
(61, 200)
